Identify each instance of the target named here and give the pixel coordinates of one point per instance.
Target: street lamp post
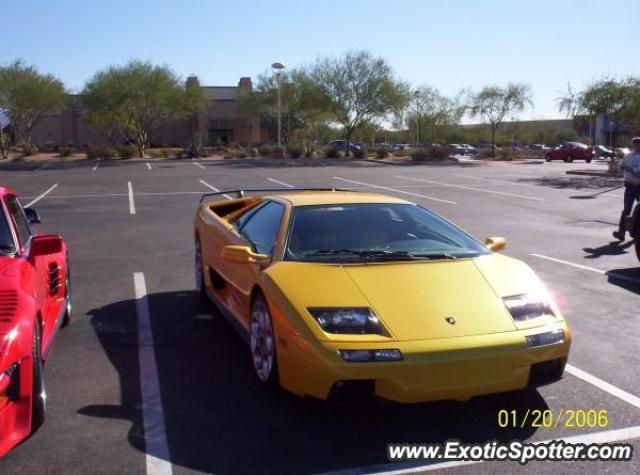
(278, 68)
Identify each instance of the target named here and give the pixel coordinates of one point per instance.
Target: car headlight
(356, 320)
(525, 307)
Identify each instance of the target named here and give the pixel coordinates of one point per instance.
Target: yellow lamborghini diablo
(348, 294)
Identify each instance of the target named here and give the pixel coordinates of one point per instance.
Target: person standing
(631, 167)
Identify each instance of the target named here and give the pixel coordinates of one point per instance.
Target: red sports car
(570, 151)
(34, 304)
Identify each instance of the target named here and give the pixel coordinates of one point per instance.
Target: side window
(262, 228)
(22, 225)
(242, 220)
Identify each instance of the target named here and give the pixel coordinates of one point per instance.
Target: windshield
(7, 245)
(374, 231)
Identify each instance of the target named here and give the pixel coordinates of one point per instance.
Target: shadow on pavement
(220, 420)
(573, 183)
(614, 248)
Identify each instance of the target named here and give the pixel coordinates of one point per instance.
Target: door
(260, 231)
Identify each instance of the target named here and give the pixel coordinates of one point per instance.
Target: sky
(450, 45)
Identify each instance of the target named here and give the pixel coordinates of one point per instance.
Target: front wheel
(569, 159)
(38, 393)
(263, 345)
(547, 158)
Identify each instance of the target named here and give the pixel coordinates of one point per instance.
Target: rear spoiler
(240, 193)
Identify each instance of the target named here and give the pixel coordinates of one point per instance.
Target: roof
(306, 198)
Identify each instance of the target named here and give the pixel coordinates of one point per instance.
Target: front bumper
(439, 369)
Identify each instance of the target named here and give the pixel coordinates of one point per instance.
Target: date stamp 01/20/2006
(550, 419)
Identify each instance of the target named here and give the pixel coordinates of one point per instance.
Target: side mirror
(45, 245)
(495, 243)
(244, 254)
(32, 216)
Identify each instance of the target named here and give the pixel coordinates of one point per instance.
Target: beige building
(219, 123)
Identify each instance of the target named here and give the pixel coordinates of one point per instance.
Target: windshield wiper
(379, 254)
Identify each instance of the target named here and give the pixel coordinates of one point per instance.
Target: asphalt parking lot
(129, 229)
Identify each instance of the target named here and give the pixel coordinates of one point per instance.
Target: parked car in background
(538, 147)
(621, 152)
(570, 151)
(468, 149)
(342, 145)
(456, 149)
(486, 147)
(602, 151)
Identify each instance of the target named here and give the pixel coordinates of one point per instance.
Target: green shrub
(28, 150)
(94, 152)
(241, 154)
(295, 151)
(127, 151)
(265, 150)
(382, 152)
(359, 153)
(431, 153)
(331, 152)
(253, 152)
(401, 153)
(65, 151)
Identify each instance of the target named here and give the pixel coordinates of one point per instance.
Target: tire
(569, 159)
(201, 288)
(38, 393)
(547, 158)
(67, 293)
(588, 160)
(263, 343)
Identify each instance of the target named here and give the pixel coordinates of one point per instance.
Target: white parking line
(615, 275)
(95, 167)
(440, 200)
(132, 205)
(533, 198)
(280, 182)
(599, 383)
(198, 165)
(43, 166)
(157, 449)
(211, 187)
(39, 197)
(148, 165)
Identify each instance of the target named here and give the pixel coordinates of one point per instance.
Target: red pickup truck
(570, 151)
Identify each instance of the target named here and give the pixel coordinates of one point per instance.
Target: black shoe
(618, 235)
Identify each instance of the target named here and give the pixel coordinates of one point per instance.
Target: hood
(413, 299)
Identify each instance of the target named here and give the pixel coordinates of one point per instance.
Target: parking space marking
(211, 187)
(533, 198)
(280, 182)
(601, 384)
(591, 269)
(440, 200)
(148, 165)
(95, 167)
(155, 436)
(603, 437)
(198, 165)
(39, 197)
(43, 166)
(132, 205)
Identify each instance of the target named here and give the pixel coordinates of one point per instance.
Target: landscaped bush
(331, 152)
(265, 150)
(192, 149)
(65, 151)
(241, 154)
(94, 152)
(295, 151)
(253, 152)
(401, 153)
(431, 153)
(359, 153)
(485, 154)
(127, 151)
(382, 152)
(28, 150)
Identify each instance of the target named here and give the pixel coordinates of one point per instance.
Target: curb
(594, 173)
